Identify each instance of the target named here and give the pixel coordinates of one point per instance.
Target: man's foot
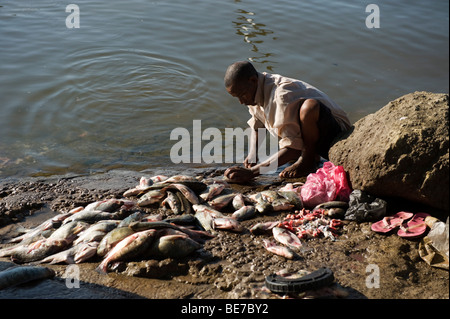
(298, 169)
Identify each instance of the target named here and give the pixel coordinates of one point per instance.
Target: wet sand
(230, 265)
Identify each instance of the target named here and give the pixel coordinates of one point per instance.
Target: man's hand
(239, 174)
(250, 160)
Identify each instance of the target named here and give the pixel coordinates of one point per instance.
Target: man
(305, 119)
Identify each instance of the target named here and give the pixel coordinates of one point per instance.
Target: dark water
(109, 93)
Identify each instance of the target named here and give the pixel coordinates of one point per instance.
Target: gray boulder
(402, 150)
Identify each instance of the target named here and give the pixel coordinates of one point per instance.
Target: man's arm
(241, 174)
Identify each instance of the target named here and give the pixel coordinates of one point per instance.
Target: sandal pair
(413, 228)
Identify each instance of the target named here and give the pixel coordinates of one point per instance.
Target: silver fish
(186, 191)
(174, 246)
(246, 212)
(293, 198)
(211, 191)
(75, 254)
(281, 204)
(96, 232)
(238, 201)
(205, 215)
(21, 274)
(227, 223)
(173, 201)
(278, 250)
(107, 205)
(151, 197)
(38, 250)
(221, 201)
(269, 195)
(112, 238)
(262, 206)
(263, 228)
(137, 216)
(35, 233)
(91, 216)
(128, 248)
(286, 237)
(69, 231)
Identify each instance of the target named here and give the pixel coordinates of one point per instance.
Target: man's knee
(310, 110)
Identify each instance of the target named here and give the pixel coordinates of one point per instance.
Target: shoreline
(228, 274)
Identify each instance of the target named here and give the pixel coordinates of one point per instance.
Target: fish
(38, 250)
(151, 197)
(35, 233)
(286, 237)
(137, 216)
(107, 205)
(139, 226)
(75, 254)
(246, 212)
(128, 248)
(205, 215)
(332, 204)
(281, 204)
(92, 216)
(181, 220)
(293, 198)
(69, 231)
(173, 246)
(144, 183)
(227, 223)
(221, 201)
(212, 190)
(278, 250)
(162, 225)
(96, 232)
(17, 275)
(262, 206)
(112, 238)
(188, 193)
(269, 195)
(263, 228)
(238, 201)
(174, 202)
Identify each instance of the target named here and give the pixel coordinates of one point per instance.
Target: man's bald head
(238, 73)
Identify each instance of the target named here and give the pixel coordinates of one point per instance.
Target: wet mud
(366, 265)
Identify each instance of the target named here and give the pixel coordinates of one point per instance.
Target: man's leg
(309, 118)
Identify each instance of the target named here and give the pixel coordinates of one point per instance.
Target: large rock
(402, 150)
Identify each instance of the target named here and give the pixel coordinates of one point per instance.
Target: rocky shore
(399, 154)
(231, 265)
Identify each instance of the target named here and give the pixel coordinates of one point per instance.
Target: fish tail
(103, 267)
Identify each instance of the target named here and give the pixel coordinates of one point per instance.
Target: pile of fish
(124, 229)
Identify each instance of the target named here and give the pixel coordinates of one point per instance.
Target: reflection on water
(108, 95)
(254, 34)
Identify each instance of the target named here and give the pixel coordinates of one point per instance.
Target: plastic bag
(434, 247)
(364, 207)
(327, 184)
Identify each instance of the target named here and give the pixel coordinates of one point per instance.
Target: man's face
(245, 92)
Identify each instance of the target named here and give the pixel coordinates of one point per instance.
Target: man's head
(241, 81)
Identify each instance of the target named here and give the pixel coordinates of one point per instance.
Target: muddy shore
(231, 265)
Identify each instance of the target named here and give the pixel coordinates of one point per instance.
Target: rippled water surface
(109, 93)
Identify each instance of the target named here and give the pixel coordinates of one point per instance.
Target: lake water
(109, 93)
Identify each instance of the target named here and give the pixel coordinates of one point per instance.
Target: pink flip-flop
(415, 227)
(389, 223)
